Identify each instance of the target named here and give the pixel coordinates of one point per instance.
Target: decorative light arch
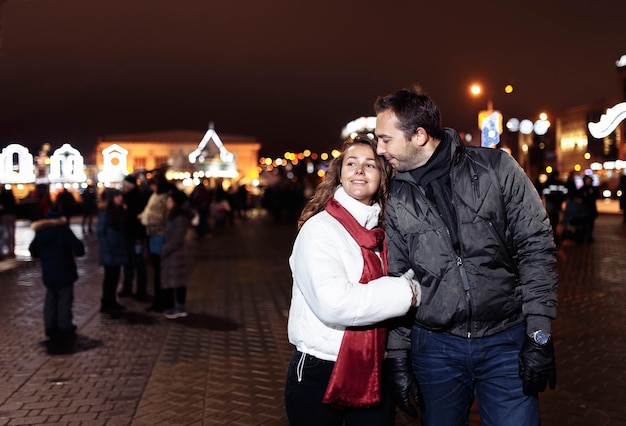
(23, 171)
(115, 164)
(67, 165)
(608, 122)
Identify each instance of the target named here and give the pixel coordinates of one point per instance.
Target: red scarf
(356, 376)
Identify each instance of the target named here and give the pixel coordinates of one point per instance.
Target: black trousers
(303, 398)
(135, 268)
(57, 309)
(109, 285)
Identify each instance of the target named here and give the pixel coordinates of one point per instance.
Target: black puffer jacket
(56, 245)
(506, 267)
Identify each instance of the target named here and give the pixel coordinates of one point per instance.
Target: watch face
(541, 337)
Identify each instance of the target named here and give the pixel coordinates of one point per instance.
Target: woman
(333, 316)
(174, 268)
(153, 218)
(112, 245)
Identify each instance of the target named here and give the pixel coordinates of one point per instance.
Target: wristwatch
(540, 337)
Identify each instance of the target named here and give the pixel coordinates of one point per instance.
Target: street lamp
(489, 120)
(476, 90)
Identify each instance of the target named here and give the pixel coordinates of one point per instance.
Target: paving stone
(226, 362)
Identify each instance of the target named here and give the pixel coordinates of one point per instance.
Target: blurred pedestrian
(242, 200)
(200, 201)
(589, 195)
(340, 297)
(153, 218)
(472, 226)
(622, 195)
(8, 212)
(135, 236)
(112, 246)
(554, 194)
(56, 245)
(89, 200)
(67, 203)
(174, 265)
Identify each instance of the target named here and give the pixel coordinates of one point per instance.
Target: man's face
(403, 154)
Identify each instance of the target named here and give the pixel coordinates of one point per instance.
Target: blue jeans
(450, 370)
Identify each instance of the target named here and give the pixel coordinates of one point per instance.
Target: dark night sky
(288, 72)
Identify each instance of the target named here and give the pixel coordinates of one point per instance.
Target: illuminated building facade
(590, 138)
(188, 156)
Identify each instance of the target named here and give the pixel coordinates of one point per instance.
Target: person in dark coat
(112, 245)
(622, 196)
(471, 225)
(589, 195)
(134, 201)
(89, 207)
(7, 221)
(56, 245)
(554, 193)
(67, 203)
(174, 267)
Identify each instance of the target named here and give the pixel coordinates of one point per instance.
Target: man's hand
(537, 366)
(415, 287)
(400, 381)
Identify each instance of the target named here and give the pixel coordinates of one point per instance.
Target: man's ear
(420, 137)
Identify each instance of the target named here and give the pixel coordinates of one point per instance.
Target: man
(554, 193)
(471, 225)
(90, 207)
(135, 237)
(7, 221)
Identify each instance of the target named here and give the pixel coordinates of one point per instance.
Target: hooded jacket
(505, 268)
(56, 245)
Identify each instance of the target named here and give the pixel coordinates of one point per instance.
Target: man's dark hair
(413, 108)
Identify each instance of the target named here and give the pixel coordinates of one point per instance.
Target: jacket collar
(456, 150)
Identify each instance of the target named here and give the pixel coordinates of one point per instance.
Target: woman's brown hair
(326, 189)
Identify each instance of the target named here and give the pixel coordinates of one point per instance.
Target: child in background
(56, 245)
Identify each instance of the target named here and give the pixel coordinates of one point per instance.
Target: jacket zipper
(459, 259)
(466, 287)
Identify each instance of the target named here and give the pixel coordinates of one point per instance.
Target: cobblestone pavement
(225, 364)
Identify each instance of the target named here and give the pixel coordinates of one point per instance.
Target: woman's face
(169, 203)
(360, 175)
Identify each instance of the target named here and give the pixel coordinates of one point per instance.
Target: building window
(161, 160)
(139, 163)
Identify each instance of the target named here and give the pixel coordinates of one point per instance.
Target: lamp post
(489, 120)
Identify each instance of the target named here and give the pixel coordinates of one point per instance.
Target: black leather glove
(537, 366)
(400, 381)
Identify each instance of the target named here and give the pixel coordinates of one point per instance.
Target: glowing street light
(489, 120)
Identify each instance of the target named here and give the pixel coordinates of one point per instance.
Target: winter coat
(174, 265)
(505, 269)
(154, 215)
(7, 202)
(135, 201)
(111, 238)
(56, 245)
(327, 296)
